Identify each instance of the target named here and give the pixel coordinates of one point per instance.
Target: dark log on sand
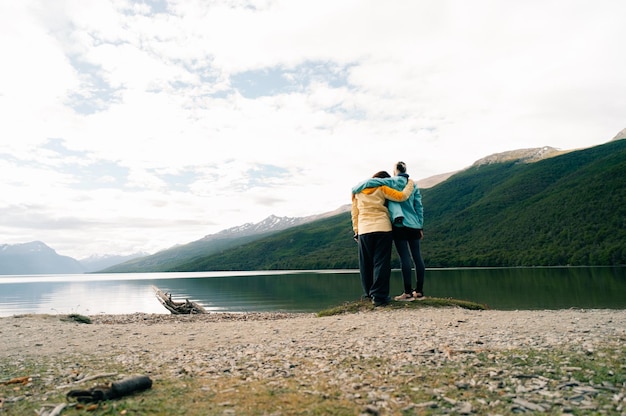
(177, 308)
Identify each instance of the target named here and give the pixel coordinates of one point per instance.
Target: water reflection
(535, 288)
(77, 297)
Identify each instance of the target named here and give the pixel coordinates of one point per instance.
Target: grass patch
(366, 305)
(75, 317)
(424, 384)
(38, 390)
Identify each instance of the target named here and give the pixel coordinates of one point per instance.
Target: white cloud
(172, 120)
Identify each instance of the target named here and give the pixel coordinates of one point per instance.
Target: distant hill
(568, 209)
(168, 260)
(35, 258)
(99, 262)
(322, 244)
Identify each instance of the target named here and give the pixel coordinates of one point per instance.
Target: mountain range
(169, 259)
(527, 207)
(536, 207)
(36, 257)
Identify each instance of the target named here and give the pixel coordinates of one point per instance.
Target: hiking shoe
(418, 296)
(405, 297)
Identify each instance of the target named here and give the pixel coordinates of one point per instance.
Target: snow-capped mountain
(269, 224)
(521, 155)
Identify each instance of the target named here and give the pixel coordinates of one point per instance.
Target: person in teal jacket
(408, 230)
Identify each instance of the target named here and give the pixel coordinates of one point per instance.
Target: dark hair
(381, 174)
(401, 167)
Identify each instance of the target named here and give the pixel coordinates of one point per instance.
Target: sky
(132, 126)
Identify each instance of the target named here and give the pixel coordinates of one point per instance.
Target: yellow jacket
(369, 213)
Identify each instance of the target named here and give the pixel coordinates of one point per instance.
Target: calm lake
(307, 291)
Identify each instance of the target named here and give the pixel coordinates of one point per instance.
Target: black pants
(375, 264)
(407, 249)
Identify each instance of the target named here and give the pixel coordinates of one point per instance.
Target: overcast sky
(131, 126)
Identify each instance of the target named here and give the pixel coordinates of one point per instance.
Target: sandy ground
(374, 360)
(422, 329)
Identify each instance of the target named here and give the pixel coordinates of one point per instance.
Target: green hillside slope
(566, 210)
(168, 260)
(323, 244)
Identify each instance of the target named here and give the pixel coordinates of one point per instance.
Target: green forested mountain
(323, 244)
(168, 260)
(566, 210)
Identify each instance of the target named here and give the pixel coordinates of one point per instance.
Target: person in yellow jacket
(373, 233)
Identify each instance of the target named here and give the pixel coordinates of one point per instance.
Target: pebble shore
(387, 361)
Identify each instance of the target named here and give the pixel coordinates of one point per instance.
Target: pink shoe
(405, 297)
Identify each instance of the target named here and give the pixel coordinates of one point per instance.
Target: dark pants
(375, 264)
(407, 249)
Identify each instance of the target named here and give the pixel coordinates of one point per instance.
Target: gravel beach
(376, 360)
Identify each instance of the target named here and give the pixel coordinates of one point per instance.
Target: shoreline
(45, 330)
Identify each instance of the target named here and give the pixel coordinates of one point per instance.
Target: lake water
(307, 291)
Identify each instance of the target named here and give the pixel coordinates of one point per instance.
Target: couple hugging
(388, 211)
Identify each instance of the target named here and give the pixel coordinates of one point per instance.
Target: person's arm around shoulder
(374, 183)
(393, 195)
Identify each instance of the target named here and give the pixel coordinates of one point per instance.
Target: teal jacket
(409, 213)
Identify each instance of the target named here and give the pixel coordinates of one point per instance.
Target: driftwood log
(178, 308)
